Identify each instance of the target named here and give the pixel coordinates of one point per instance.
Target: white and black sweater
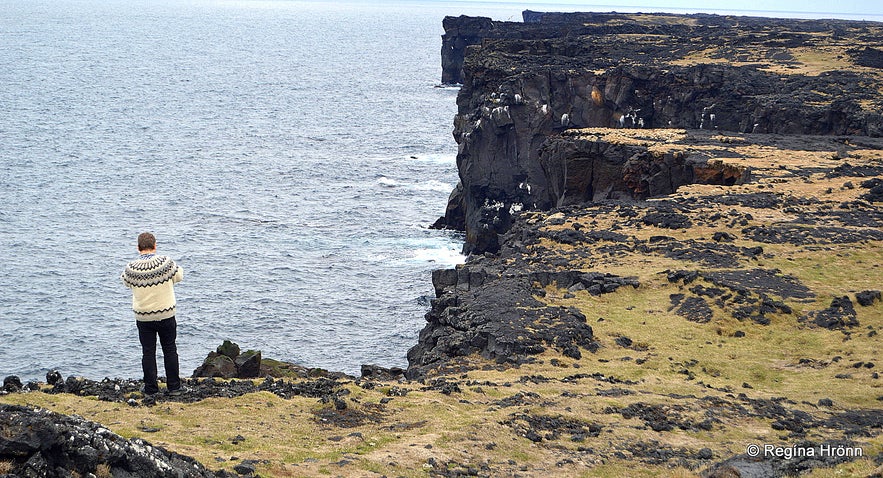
(152, 280)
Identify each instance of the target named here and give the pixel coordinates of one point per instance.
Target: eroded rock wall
(705, 72)
(582, 168)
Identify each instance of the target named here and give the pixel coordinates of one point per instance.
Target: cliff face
(581, 168)
(736, 74)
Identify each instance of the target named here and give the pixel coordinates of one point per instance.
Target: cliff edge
(525, 82)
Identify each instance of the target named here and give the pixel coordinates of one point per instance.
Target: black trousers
(167, 331)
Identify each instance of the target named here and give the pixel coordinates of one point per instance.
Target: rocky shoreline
(674, 226)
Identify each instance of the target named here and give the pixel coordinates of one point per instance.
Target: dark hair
(146, 241)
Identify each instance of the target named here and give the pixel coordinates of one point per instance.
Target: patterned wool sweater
(152, 280)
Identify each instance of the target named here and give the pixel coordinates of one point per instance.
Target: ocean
(288, 155)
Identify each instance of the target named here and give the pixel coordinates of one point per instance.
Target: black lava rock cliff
(524, 83)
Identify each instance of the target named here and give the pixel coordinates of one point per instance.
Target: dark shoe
(148, 393)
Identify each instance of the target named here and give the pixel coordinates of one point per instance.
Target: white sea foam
(443, 255)
(436, 158)
(434, 185)
(387, 182)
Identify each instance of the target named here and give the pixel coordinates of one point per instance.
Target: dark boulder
(216, 365)
(53, 377)
(248, 364)
(722, 236)
(247, 467)
(867, 298)
(229, 362)
(12, 384)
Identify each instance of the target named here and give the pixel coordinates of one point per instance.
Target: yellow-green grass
(767, 358)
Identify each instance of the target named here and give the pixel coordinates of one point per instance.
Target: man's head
(146, 242)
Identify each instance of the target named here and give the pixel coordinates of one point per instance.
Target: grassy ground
(607, 414)
(485, 426)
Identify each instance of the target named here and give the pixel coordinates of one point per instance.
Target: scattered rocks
(126, 391)
(668, 220)
(710, 254)
(850, 170)
(801, 235)
(752, 200)
(857, 423)
(340, 414)
(694, 309)
(686, 276)
(595, 283)
(660, 418)
(376, 372)
(797, 422)
(767, 281)
(538, 428)
(518, 400)
(656, 453)
(444, 386)
(745, 294)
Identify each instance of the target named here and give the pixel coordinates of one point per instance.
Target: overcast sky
(850, 9)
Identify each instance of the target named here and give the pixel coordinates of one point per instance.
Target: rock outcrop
(229, 362)
(41, 443)
(489, 309)
(528, 82)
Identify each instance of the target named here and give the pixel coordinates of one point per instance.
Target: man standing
(152, 279)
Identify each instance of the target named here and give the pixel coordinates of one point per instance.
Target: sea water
(288, 155)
